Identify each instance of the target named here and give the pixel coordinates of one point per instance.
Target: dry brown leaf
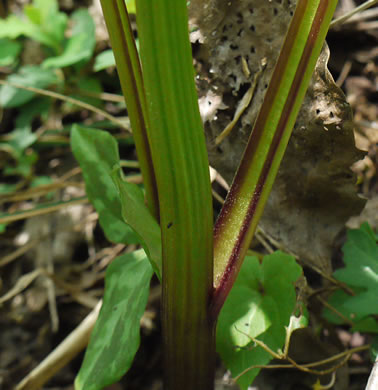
(314, 193)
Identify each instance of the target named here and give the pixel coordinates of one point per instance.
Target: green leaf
(374, 348)
(87, 84)
(25, 164)
(131, 9)
(28, 76)
(97, 153)
(13, 27)
(361, 274)
(104, 60)
(79, 48)
(9, 52)
(41, 181)
(37, 24)
(6, 189)
(366, 325)
(115, 338)
(260, 305)
(41, 13)
(22, 136)
(137, 215)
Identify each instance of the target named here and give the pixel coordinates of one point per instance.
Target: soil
(42, 311)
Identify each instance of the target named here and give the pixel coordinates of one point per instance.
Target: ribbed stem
(180, 161)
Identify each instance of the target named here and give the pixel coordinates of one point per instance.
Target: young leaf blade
(9, 51)
(78, 48)
(97, 153)
(136, 214)
(116, 338)
(104, 60)
(259, 305)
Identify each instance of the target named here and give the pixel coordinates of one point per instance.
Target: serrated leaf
(116, 337)
(81, 44)
(28, 76)
(361, 274)
(137, 215)
(259, 305)
(97, 153)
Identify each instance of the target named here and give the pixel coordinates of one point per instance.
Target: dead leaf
(314, 193)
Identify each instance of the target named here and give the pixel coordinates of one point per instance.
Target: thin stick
(68, 99)
(60, 356)
(108, 97)
(18, 252)
(348, 15)
(305, 367)
(46, 209)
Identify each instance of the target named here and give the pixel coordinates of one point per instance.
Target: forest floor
(38, 312)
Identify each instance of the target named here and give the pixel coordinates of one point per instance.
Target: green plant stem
(247, 197)
(130, 76)
(181, 166)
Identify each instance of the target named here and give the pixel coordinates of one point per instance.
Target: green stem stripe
(130, 76)
(269, 138)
